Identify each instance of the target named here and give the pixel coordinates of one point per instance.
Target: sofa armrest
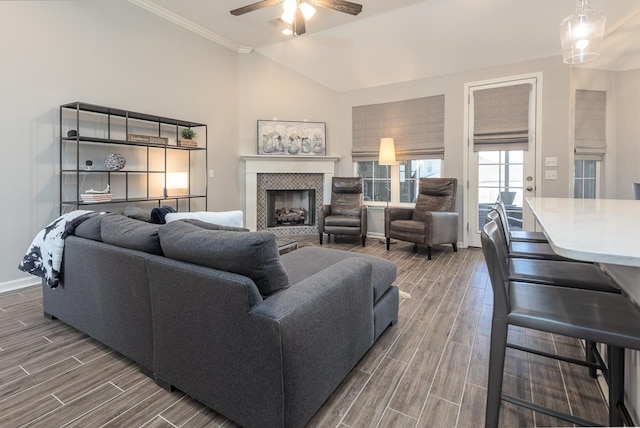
(441, 227)
(395, 213)
(326, 326)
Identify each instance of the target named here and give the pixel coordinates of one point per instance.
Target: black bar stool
(518, 235)
(524, 250)
(607, 318)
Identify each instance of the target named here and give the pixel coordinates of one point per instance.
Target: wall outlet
(211, 173)
(551, 174)
(551, 161)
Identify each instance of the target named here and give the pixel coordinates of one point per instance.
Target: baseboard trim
(17, 284)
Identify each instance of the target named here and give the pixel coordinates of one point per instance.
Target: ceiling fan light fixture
(287, 32)
(581, 34)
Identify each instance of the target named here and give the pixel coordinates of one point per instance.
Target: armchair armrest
(441, 227)
(395, 213)
(364, 210)
(325, 210)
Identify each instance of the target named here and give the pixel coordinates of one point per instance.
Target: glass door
(508, 175)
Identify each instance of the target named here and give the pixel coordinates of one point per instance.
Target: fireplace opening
(291, 207)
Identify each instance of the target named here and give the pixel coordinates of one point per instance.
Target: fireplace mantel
(264, 164)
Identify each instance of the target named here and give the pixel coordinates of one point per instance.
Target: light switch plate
(551, 161)
(211, 173)
(551, 174)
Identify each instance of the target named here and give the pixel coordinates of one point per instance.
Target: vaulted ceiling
(393, 41)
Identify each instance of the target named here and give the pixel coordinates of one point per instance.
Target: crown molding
(184, 23)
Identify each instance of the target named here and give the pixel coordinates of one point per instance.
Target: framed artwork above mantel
(292, 138)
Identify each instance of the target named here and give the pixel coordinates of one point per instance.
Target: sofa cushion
(90, 228)
(158, 214)
(301, 264)
(223, 218)
(213, 226)
(129, 233)
(137, 213)
(252, 254)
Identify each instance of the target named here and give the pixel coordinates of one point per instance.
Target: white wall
(555, 119)
(267, 90)
(105, 52)
(628, 133)
(621, 163)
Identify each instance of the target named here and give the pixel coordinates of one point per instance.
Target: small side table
(286, 245)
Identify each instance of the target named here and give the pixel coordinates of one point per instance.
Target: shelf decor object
(115, 162)
(139, 138)
(292, 138)
(147, 144)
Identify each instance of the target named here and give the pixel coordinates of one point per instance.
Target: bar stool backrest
(504, 219)
(494, 215)
(496, 258)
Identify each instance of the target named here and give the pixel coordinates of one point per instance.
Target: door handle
(530, 188)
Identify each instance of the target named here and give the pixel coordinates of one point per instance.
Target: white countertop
(597, 230)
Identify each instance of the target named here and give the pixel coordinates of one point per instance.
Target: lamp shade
(581, 34)
(387, 154)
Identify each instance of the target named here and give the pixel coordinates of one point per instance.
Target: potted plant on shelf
(187, 139)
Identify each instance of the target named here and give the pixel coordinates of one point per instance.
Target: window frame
(394, 175)
(597, 178)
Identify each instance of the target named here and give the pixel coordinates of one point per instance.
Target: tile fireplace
(309, 175)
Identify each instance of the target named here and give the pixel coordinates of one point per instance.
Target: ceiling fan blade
(299, 26)
(339, 5)
(255, 6)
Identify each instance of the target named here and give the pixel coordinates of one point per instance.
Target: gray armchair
(432, 221)
(346, 215)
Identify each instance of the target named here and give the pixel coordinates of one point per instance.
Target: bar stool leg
(496, 370)
(615, 360)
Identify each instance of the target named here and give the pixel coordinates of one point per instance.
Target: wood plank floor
(429, 370)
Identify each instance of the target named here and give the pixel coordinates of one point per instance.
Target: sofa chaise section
(268, 365)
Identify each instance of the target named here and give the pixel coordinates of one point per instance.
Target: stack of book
(94, 196)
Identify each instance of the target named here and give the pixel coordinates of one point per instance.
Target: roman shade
(501, 118)
(416, 125)
(589, 139)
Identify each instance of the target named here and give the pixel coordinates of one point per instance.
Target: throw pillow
(158, 215)
(252, 254)
(223, 218)
(129, 233)
(137, 213)
(213, 226)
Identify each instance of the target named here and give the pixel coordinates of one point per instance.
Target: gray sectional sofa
(218, 314)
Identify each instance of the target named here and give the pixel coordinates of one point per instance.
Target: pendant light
(581, 34)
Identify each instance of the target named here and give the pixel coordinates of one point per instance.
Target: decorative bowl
(115, 162)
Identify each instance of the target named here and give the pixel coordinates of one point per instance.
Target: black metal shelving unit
(73, 174)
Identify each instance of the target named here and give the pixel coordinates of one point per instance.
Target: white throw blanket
(44, 257)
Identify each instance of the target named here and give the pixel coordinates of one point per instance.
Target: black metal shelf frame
(80, 140)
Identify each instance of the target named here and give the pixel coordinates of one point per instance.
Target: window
(501, 174)
(585, 179)
(376, 180)
(397, 183)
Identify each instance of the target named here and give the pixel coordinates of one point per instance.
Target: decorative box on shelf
(139, 138)
(187, 143)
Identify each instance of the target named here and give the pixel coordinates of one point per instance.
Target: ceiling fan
(297, 12)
